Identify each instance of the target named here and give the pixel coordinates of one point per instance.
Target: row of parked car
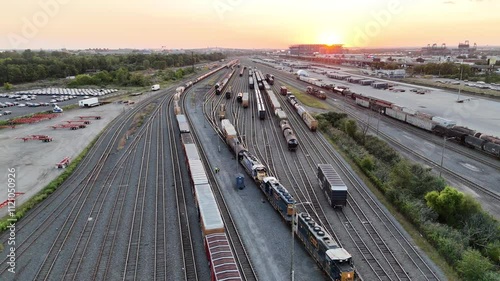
(30, 104)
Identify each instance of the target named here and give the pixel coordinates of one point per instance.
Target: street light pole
(442, 155)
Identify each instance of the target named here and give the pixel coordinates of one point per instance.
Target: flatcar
(333, 259)
(279, 197)
(291, 139)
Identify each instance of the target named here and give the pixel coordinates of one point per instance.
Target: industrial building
(312, 49)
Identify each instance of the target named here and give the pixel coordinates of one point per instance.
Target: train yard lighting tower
(295, 204)
(442, 154)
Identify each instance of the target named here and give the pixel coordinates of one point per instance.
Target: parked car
(21, 105)
(7, 112)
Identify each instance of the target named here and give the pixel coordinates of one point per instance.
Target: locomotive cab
(340, 263)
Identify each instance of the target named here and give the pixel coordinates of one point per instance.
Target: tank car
(290, 137)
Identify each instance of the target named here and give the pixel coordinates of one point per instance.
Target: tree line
(29, 66)
(465, 235)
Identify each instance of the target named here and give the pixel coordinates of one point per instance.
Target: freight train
(434, 124)
(311, 123)
(286, 128)
(437, 125)
(222, 262)
(334, 260)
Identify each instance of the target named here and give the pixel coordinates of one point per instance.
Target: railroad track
(80, 183)
(474, 155)
(188, 258)
(240, 252)
(310, 139)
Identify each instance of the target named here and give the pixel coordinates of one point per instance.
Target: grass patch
(136, 123)
(47, 190)
(307, 99)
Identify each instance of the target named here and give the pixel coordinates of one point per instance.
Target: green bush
(473, 265)
(367, 163)
(449, 242)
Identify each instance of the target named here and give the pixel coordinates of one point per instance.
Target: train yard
(221, 175)
(470, 170)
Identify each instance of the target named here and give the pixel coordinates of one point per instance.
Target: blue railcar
(333, 259)
(279, 197)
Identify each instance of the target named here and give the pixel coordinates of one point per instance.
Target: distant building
(312, 49)
(396, 73)
(434, 50)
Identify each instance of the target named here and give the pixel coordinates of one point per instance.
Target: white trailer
(90, 102)
(155, 87)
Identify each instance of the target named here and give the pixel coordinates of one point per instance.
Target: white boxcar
(210, 217)
(281, 114)
(420, 122)
(363, 103)
(409, 110)
(444, 122)
(395, 114)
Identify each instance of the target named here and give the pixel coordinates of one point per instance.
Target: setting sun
(330, 39)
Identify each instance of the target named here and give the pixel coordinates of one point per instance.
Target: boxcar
(221, 258)
(332, 185)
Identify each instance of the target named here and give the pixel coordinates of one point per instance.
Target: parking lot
(33, 101)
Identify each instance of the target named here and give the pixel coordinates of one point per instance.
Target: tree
(481, 230)
(473, 265)
(351, 128)
(451, 205)
(7, 86)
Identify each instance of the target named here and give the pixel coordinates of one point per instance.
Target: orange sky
(76, 24)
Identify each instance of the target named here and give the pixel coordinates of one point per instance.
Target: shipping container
(191, 151)
(311, 123)
(210, 217)
(198, 173)
(183, 124)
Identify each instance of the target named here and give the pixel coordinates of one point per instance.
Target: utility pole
(442, 154)
(460, 87)
(192, 58)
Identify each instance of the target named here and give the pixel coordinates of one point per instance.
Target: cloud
(448, 2)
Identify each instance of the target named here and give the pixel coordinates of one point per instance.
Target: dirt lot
(34, 161)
